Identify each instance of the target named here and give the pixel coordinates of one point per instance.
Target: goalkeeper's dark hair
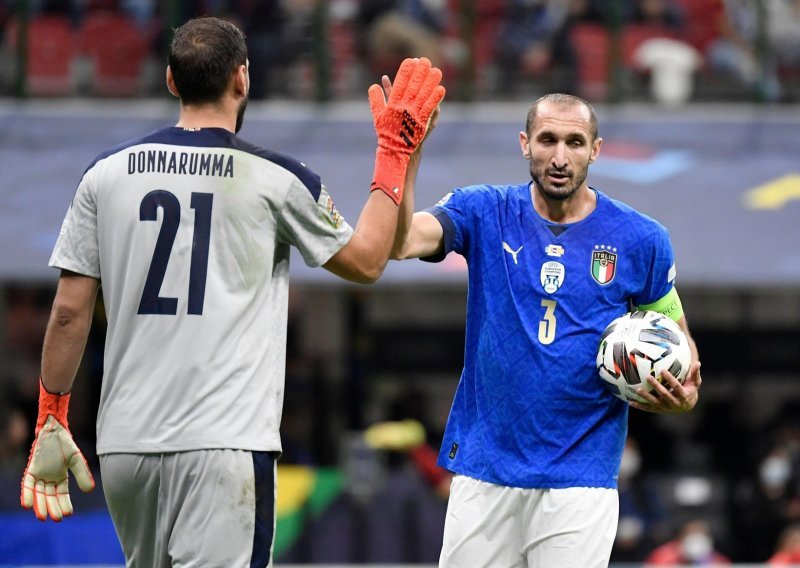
(562, 99)
(203, 55)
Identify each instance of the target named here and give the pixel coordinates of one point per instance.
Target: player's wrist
(389, 175)
(52, 404)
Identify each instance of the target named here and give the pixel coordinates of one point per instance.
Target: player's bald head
(562, 100)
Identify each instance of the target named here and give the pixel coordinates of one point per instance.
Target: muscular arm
(67, 330)
(364, 257)
(418, 234)
(418, 94)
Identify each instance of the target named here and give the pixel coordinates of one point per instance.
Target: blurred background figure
(391, 30)
(533, 44)
(768, 501)
(787, 552)
(642, 514)
(693, 546)
(15, 434)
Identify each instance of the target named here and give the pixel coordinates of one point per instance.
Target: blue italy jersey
(530, 409)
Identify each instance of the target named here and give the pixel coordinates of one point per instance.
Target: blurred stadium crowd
(489, 49)
(733, 495)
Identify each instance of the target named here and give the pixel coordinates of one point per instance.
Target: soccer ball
(640, 345)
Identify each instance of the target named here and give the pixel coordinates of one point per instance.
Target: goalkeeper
(188, 229)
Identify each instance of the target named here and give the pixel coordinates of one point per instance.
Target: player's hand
(45, 485)
(386, 83)
(401, 117)
(669, 396)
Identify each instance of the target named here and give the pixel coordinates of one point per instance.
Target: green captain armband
(669, 305)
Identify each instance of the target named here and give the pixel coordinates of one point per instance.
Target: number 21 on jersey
(151, 302)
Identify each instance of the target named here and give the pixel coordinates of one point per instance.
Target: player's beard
(574, 181)
(240, 114)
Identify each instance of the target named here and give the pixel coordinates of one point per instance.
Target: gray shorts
(209, 508)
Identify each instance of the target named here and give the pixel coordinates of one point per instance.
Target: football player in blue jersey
(533, 437)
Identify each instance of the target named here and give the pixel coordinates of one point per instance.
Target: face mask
(631, 462)
(696, 546)
(775, 472)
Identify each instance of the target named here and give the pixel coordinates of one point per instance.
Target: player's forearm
(64, 343)
(692, 345)
(406, 212)
(67, 332)
(373, 238)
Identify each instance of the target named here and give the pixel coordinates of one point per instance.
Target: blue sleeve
(660, 277)
(453, 212)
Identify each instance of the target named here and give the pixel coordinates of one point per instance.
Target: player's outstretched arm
(45, 484)
(417, 234)
(401, 124)
(670, 396)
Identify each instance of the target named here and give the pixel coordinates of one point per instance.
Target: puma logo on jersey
(513, 253)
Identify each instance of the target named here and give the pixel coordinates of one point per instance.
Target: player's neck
(195, 117)
(570, 210)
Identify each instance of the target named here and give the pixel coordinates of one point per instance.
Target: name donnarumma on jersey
(180, 163)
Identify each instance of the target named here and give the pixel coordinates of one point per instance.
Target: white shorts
(203, 508)
(493, 526)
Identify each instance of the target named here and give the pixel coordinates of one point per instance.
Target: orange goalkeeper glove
(45, 485)
(401, 122)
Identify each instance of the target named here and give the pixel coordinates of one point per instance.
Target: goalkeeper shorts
(195, 508)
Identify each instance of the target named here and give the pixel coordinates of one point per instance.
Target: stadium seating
(592, 50)
(117, 49)
(50, 55)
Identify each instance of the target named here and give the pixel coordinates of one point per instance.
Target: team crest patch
(552, 276)
(604, 264)
(331, 214)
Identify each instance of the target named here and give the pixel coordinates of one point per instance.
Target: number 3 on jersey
(151, 302)
(547, 325)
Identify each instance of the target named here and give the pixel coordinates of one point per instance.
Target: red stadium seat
(118, 49)
(50, 54)
(592, 48)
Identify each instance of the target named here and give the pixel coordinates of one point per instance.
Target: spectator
(15, 435)
(533, 41)
(783, 25)
(391, 30)
(658, 13)
(263, 23)
(694, 546)
(767, 503)
(641, 511)
(787, 552)
(740, 33)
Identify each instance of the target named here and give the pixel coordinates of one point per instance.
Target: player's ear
(595, 149)
(171, 83)
(242, 81)
(524, 146)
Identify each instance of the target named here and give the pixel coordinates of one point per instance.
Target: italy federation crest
(604, 265)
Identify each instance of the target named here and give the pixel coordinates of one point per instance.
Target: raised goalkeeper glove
(401, 122)
(45, 485)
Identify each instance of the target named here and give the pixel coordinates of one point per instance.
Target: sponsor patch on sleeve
(329, 211)
(444, 200)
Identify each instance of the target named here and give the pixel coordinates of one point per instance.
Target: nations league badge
(552, 276)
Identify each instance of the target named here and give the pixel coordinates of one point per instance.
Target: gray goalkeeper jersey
(189, 232)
